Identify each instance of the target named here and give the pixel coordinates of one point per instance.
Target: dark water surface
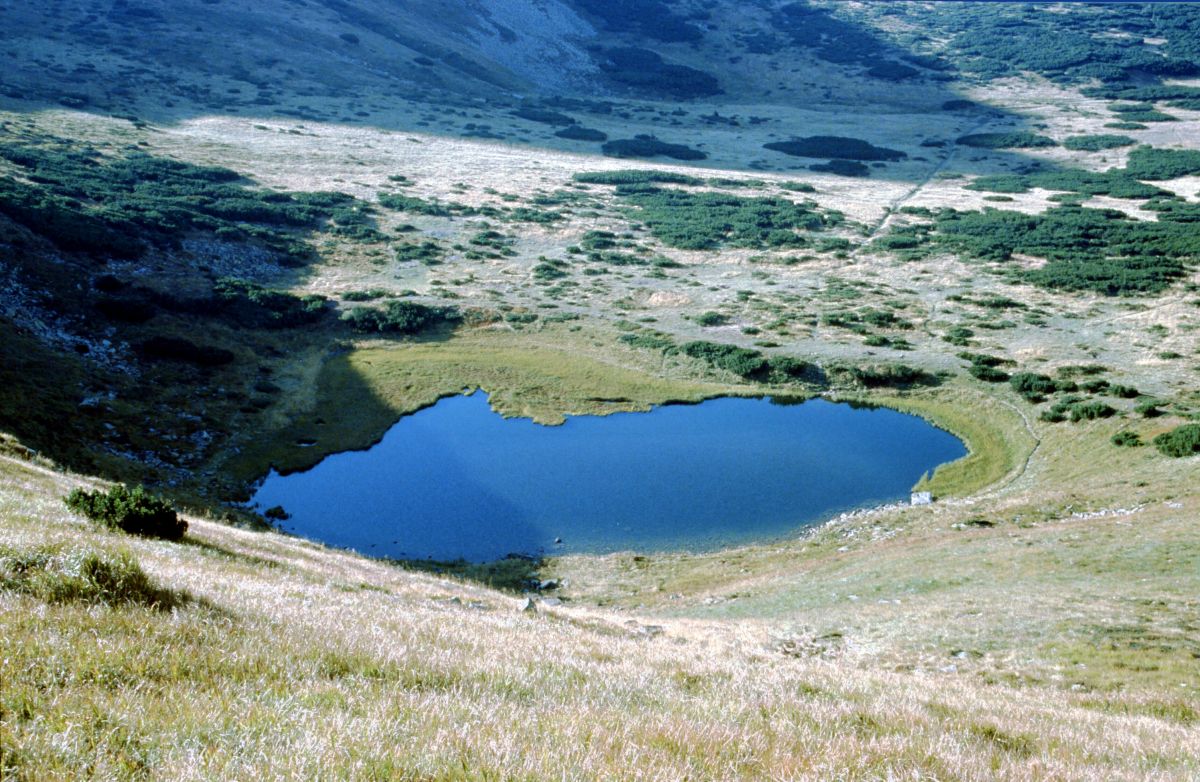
(457, 480)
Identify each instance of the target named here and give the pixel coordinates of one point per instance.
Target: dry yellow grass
(295, 661)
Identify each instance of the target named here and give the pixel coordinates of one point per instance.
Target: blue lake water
(457, 480)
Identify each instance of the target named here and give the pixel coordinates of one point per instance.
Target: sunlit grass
(1017, 651)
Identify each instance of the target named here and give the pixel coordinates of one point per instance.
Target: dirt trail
(900, 200)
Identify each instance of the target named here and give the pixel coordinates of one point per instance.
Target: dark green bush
(711, 318)
(1179, 442)
(840, 147)
(1032, 386)
(635, 177)
(549, 270)
(1087, 411)
(1095, 143)
(84, 202)
(883, 375)
(988, 374)
(851, 168)
(649, 146)
(1148, 409)
(651, 18)
(1015, 140)
(1156, 164)
(654, 341)
(1126, 439)
(580, 133)
(959, 335)
(135, 511)
(254, 306)
(399, 317)
(1101, 250)
(747, 363)
(403, 203)
(702, 221)
(786, 369)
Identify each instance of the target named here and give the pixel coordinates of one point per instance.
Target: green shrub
(253, 306)
(649, 146)
(59, 575)
(786, 369)
(1032, 386)
(549, 270)
(1015, 140)
(1126, 439)
(850, 168)
(654, 341)
(704, 221)
(84, 202)
(1100, 250)
(635, 177)
(1148, 408)
(135, 511)
(883, 375)
(1095, 143)
(747, 363)
(1156, 164)
(1147, 116)
(959, 335)
(367, 295)
(403, 203)
(399, 317)
(1087, 411)
(988, 374)
(580, 133)
(711, 318)
(1179, 442)
(841, 147)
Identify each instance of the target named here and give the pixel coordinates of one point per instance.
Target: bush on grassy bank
(135, 511)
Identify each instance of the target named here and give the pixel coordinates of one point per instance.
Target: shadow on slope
(453, 69)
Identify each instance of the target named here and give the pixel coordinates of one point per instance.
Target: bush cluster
(649, 146)
(842, 147)
(86, 203)
(636, 177)
(399, 317)
(1020, 139)
(707, 220)
(1179, 442)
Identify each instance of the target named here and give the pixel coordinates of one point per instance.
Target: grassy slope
(907, 643)
(291, 660)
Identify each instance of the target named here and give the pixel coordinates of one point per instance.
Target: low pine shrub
(135, 511)
(1180, 441)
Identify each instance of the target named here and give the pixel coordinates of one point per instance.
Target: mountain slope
(282, 659)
